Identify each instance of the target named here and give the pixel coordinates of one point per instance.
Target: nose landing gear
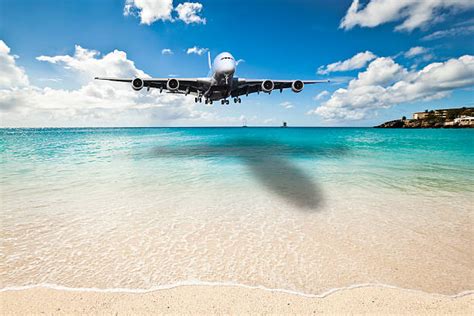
(224, 101)
(237, 100)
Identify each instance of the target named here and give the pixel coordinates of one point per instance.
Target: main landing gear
(199, 99)
(223, 101)
(236, 100)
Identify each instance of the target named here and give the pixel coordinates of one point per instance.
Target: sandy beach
(233, 299)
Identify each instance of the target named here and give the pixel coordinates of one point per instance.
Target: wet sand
(233, 299)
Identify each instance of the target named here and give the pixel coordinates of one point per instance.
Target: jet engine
(268, 86)
(172, 84)
(297, 86)
(137, 84)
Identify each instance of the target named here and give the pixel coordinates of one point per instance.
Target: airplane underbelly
(219, 94)
(222, 86)
(220, 91)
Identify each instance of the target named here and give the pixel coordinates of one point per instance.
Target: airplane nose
(227, 67)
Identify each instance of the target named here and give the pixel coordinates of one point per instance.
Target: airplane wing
(248, 86)
(192, 86)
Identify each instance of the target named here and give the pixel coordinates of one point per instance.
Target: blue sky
(278, 40)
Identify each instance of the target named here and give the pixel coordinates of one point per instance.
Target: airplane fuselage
(222, 76)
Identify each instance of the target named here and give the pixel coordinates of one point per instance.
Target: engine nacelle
(268, 86)
(138, 84)
(297, 86)
(172, 84)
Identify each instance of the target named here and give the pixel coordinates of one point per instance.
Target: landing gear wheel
(206, 101)
(210, 102)
(236, 100)
(240, 100)
(195, 100)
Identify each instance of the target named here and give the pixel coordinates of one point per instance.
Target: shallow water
(301, 209)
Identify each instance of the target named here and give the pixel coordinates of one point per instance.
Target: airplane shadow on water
(271, 163)
(287, 180)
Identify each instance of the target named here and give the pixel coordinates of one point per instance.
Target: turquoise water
(432, 159)
(303, 209)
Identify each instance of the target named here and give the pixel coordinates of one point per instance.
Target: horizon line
(209, 126)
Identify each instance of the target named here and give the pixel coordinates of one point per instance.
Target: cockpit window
(226, 58)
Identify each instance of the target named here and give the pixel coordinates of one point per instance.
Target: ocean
(305, 210)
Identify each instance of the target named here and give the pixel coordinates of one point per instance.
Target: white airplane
(221, 84)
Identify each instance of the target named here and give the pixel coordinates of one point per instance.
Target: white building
(464, 120)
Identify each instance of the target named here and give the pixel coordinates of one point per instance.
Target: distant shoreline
(419, 124)
(441, 118)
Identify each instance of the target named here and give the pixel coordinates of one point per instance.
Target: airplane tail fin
(209, 60)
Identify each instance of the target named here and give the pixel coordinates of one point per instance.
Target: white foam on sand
(226, 284)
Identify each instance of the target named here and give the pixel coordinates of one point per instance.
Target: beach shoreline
(219, 299)
(195, 221)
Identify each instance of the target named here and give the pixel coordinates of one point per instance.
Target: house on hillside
(441, 113)
(420, 115)
(447, 114)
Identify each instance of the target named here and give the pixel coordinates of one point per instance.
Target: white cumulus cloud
(188, 12)
(412, 13)
(385, 83)
(196, 50)
(11, 75)
(381, 72)
(357, 61)
(149, 11)
(93, 103)
(89, 64)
